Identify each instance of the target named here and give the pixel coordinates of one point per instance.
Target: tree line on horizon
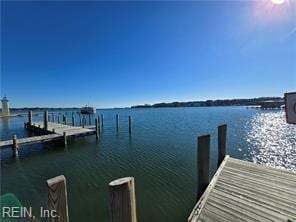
(218, 102)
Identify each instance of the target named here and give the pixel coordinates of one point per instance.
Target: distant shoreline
(226, 102)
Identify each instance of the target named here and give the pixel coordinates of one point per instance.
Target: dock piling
(99, 123)
(203, 163)
(89, 119)
(222, 133)
(30, 115)
(80, 120)
(64, 119)
(102, 119)
(52, 115)
(57, 197)
(46, 120)
(73, 120)
(15, 146)
(97, 128)
(83, 121)
(129, 124)
(117, 122)
(122, 200)
(65, 139)
(59, 118)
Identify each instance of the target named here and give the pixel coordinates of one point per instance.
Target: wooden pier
(55, 131)
(244, 191)
(241, 190)
(51, 131)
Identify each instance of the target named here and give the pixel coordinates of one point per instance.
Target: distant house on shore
(5, 106)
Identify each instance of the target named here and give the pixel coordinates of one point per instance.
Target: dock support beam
(73, 120)
(222, 133)
(45, 120)
(80, 120)
(203, 163)
(97, 128)
(30, 115)
(59, 118)
(57, 197)
(129, 124)
(83, 121)
(122, 200)
(15, 146)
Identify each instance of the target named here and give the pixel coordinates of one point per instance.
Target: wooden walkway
(61, 128)
(55, 132)
(244, 191)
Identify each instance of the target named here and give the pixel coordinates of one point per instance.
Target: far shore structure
(5, 106)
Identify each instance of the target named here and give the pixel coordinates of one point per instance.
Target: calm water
(160, 154)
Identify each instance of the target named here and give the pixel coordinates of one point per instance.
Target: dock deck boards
(244, 191)
(58, 134)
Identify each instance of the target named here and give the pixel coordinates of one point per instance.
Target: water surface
(160, 154)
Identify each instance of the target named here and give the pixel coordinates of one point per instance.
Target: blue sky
(116, 54)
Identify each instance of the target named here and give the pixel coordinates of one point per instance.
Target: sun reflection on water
(271, 141)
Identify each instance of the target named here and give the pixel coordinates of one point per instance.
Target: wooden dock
(244, 191)
(51, 131)
(59, 129)
(55, 131)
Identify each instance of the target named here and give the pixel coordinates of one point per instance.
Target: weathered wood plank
(245, 191)
(122, 200)
(57, 198)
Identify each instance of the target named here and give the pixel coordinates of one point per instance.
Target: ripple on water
(271, 140)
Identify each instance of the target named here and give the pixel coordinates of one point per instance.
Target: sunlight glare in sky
(277, 2)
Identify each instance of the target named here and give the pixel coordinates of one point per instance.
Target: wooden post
(129, 124)
(73, 120)
(117, 122)
(97, 129)
(65, 138)
(102, 120)
(83, 121)
(65, 119)
(30, 115)
(203, 164)
(45, 120)
(222, 132)
(99, 123)
(122, 200)
(57, 198)
(58, 118)
(52, 115)
(15, 146)
(53, 130)
(80, 120)
(89, 119)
